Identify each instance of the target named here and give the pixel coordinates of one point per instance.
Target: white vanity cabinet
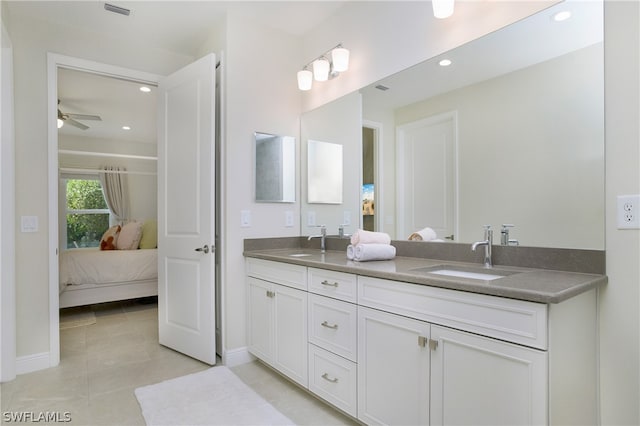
(277, 317)
(391, 352)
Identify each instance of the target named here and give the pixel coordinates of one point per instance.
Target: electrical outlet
(346, 218)
(628, 213)
(288, 219)
(311, 218)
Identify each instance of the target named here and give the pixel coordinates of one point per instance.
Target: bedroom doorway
(74, 163)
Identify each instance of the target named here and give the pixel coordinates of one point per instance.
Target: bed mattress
(95, 266)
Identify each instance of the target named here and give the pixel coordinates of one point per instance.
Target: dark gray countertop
(534, 285)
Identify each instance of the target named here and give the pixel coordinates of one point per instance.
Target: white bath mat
(212, 397)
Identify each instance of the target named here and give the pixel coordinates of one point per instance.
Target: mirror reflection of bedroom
(107, 210)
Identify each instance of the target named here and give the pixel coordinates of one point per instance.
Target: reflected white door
(186, 211)
(426, 174)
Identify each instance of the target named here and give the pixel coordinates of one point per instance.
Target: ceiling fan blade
(75, 123)
(85, 117)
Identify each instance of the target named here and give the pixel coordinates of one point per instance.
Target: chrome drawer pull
(328, 379)
(326, 324)
(325, 282)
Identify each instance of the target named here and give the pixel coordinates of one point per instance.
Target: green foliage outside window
(87, 213)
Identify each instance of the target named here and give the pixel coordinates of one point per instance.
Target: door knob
(204, 249)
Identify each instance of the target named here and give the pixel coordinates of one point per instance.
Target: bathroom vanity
(398, 342)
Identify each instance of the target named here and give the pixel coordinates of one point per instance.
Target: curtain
(116, 192)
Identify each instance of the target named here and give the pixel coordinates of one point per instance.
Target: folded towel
(351, 254)
(426, 234)
(365, 252)
(368, 237)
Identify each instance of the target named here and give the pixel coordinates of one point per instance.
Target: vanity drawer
(333, 378)
(339, 285)
(277, 272)
(511, 320)
(333, 325)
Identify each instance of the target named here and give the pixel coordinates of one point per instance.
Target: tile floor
(103, 363)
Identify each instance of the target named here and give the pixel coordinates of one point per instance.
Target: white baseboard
(30, 363)
(233, 357)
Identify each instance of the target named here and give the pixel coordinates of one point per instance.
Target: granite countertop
(534, 285)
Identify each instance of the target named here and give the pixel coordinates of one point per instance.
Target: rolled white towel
(351, 252)
(426, 234)
(365, 252)
(368, 237)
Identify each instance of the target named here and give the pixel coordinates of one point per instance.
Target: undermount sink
(479, 273)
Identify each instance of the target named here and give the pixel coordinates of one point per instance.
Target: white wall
(620, 299)
(32, 40)
(261, 98)
(7, 213)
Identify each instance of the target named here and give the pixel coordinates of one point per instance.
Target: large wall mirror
(511, 132)
(275, 168)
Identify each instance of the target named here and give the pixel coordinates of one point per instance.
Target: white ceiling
(177, 26)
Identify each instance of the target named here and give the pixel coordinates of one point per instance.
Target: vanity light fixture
(145, 89)
(442, 8)
(126, 128)
(324, 68)
(445, 62)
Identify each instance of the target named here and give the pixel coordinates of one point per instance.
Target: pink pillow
(129, 237)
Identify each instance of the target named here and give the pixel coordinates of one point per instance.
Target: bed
(91, 275)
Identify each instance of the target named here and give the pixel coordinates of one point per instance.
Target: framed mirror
(275, 168)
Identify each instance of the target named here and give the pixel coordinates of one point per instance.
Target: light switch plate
(29, 223)
(346, 218)
(311, 218)
(245, 218)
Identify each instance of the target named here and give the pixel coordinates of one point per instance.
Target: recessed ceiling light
(126, 128)
(562, 16)
(145, 89)
(445, 62)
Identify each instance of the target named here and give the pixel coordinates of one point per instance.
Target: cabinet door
(482, 381)
(393, 369)
(260, 318)
(290, 328)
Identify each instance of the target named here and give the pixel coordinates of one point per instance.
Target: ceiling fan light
(442, 8)
(305, 79)
(60, 123)
(340, 57)
(321, 69)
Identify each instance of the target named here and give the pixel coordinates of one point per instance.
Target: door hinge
(433, 344)
(271, 293)
(422, 341)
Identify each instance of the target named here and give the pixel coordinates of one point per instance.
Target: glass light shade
(340, 57)
(60, 123)
(305, 80)
(442, 8)
(321, 69)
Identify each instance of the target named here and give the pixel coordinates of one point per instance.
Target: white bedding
(95, 266)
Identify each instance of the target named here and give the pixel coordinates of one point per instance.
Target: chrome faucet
(487, 243)
(341, 233)
(504, 236)
(322, 236)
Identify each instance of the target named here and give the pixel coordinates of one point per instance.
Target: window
(87, 214)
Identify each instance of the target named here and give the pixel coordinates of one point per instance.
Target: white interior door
(186, 211)
(426, 176)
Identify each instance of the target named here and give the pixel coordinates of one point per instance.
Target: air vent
(116, 9)
(381, 87)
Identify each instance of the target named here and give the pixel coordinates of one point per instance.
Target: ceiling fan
(71, 119)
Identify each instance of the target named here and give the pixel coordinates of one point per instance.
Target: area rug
(76, 317)
(211, 397)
